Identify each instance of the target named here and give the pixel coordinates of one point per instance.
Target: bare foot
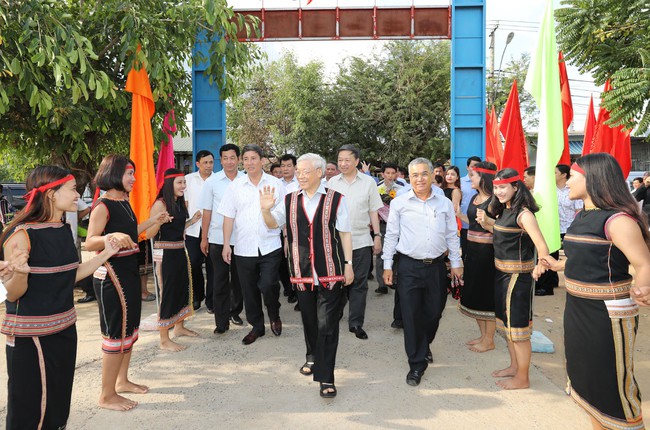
(481, 347)
(474, 341)
(130, 387)
(171, 346)
(505, 373)
(514, 383)
(182, 331)
(117, 403)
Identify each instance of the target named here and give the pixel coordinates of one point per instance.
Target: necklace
(127, 209)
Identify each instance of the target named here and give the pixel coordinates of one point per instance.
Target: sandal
(327, 394)
(308, 365)
(150, 298)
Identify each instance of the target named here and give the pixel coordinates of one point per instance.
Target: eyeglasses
(304, 172)
(415, 176)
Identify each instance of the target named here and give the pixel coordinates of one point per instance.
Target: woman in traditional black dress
(477, 292)
(117, 282)
(601, 317)
(40, 321)
(516, 236)
(176, 300)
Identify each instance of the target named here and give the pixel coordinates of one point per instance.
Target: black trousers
(284, 272)
(258, 277)
(357, 292)
(320, 321)
(422, 297)
(200, 289)
(397, 309)
(227, 298)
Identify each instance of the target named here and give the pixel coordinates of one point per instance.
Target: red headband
(506, 180)
(130, 166)
(174, 175)
(32, 193)
(482, 170)
(577, 168)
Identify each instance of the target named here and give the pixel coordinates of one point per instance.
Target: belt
(425, 260)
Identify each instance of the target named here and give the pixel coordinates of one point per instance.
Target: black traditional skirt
(477, 292)
(599, 360)
(41, 372)
(176, 297)
(117, 288)
(513, 305)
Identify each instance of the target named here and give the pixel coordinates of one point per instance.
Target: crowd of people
(314, 230)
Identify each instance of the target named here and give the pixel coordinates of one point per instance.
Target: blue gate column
(208, 110)
(467, 81)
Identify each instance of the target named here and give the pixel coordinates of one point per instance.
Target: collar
(294, 179)
(321, 190)
(265, 178)
(221, 174)
(412, 195)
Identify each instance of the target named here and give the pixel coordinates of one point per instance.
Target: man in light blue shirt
(467, 194)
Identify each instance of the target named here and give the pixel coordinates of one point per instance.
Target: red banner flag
(590, 124)
(166, 153)
(567, 110)
(144, 190)
(493, 147)
(622, 151)
(604, 138)
(515, 153)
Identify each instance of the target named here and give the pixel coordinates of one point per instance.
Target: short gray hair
(316, 160)
(421, 160)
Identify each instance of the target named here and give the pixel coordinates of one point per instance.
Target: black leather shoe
(210, 311)
(543, 292)
(196, 305)
(236, 320)
(221, 330)
(359, 332)
(397, 324)
(292, 298)
(429, 357)
(251, 337)
(414, 377)
(87, 299)
(276, 327)
(382, 290)
(297, 307)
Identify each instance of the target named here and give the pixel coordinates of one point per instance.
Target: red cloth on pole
(515, 153)
(567, 110)
(603, 134)
(166, 154)
(590, 125)
(622, 151)
(493, 147)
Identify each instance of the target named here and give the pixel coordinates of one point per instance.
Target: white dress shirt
(310, 206)
(421, 229)
(567, 208)
(242, 203)
(286, 183)
(406, 188)
(192, 195)
(362, 197)
(213, 191)
(468, 192)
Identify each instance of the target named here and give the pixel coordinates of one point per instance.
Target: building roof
(182, 144)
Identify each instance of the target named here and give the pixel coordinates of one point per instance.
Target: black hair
(111, 171)
(457, 183)
(473, 158)
(332, 162)
(389, 166)
(439, 179)
(521, 199)
(166, 193)
(287, 157)
(274, 166)
(203, 153)
(252, 148)
(353, 149)
(485, 184)
(564, 169)
(635, 179)
(229, 147)
(607, 188)
(530, 171)
(439, 164)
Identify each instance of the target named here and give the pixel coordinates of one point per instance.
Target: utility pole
(491, 74)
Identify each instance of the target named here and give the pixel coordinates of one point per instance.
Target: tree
(63, 67)
(610, 39)
(515, 69)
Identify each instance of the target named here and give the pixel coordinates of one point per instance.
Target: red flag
(603, 134)
(622, 151)
(144, 190)
(493, 147)
(590, 124)
(166, 153)
(515, 153)
(567, 110)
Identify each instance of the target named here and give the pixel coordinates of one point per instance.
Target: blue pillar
(467, 81)
(208, 110)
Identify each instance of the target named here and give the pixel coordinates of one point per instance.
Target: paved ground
(219, 383)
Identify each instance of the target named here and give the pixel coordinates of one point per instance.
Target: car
(14, 194)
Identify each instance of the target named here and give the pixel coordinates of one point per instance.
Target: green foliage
(394, 106)
(64, 63)
(498, 89)
(610, 39)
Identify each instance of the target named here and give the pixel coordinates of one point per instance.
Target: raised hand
(267, 197)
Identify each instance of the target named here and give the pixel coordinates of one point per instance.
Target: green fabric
(543, 83)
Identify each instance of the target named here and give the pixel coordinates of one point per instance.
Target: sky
(519, 16)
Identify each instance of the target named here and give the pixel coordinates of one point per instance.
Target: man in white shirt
(331, 170)
(467, 192)
(421, 228)
(227, 299)
(258, 250)
(320, 258)
(363, 200)
(290, 182)
(195, 182)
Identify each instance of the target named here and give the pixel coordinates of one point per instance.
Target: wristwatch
(348, 262)
(377, 235)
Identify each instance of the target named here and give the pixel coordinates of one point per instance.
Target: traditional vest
(314, 244)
